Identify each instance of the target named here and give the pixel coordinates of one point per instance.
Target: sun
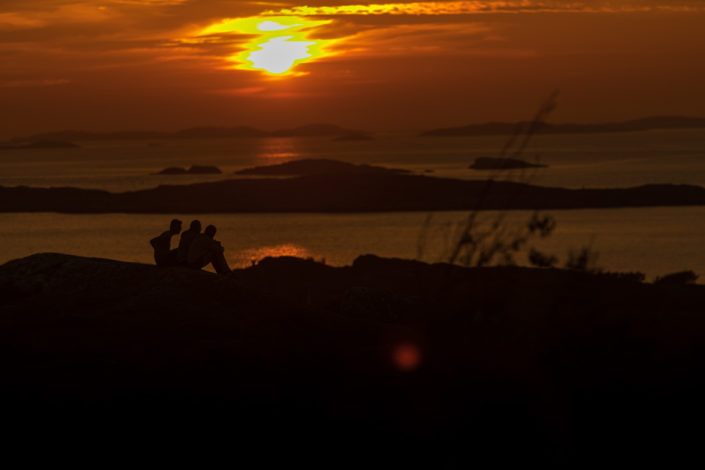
(278, 44)
(279, 55)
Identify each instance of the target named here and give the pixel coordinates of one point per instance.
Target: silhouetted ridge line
(341, 192)
(509, 128)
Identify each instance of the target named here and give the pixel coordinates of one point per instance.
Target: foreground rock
(558, 366)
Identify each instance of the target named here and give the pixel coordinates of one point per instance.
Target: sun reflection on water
(277, 149)
(252, 256)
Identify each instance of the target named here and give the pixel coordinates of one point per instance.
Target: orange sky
(155, 64)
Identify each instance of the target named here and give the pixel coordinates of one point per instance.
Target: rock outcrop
(479, 360)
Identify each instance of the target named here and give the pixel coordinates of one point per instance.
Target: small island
(493, 163)
(194, 170)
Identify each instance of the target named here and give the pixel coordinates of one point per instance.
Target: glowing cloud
(279, 43)
(486, 6)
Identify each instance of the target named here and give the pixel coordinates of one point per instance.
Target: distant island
(492, 163)
(351, 190)
(194, 170)
(313, 166)
(510, 128)
(39, 144)
(311, 130)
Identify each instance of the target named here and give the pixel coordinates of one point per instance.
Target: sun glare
(278, 44)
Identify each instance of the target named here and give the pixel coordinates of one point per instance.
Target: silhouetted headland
(558, 366)
(345, 188)
(510, 128)
(193, 170)
(492, 163)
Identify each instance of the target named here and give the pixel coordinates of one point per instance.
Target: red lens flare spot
(407, 357)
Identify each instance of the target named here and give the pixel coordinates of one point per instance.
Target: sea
(653, 240)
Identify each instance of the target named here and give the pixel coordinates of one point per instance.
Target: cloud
(12, 20)
(490, 6)
(147, 3)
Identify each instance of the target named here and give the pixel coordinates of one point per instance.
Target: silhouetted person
(163, 254)
(186, 239)
(205, 249)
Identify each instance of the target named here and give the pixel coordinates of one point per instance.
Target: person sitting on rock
(205, 249)
(187, 238)
(163, 254)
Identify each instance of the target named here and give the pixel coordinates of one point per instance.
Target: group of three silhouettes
(196, 250)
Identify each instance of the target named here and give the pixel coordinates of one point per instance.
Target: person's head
(175, 226)
(195, 226)
(210, 231)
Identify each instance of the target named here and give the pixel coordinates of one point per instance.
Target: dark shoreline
(341, 193)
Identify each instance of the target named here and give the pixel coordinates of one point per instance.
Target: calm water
(653, 240)
(596, 160)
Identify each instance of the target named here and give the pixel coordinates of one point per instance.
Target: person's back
(199, 251)
(205, 249)
(187, 239)
(163, 254)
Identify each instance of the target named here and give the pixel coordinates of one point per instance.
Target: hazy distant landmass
(39, 144)
(341, 191)
(509, 128)
(315, 167)
(492, 163)
(193, 170)
(354, 137)
(311, 130)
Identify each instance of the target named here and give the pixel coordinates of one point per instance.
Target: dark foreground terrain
(384, 363)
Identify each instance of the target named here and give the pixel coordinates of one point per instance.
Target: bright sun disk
(278, 45)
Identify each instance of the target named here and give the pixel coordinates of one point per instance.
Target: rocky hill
(558, 366)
